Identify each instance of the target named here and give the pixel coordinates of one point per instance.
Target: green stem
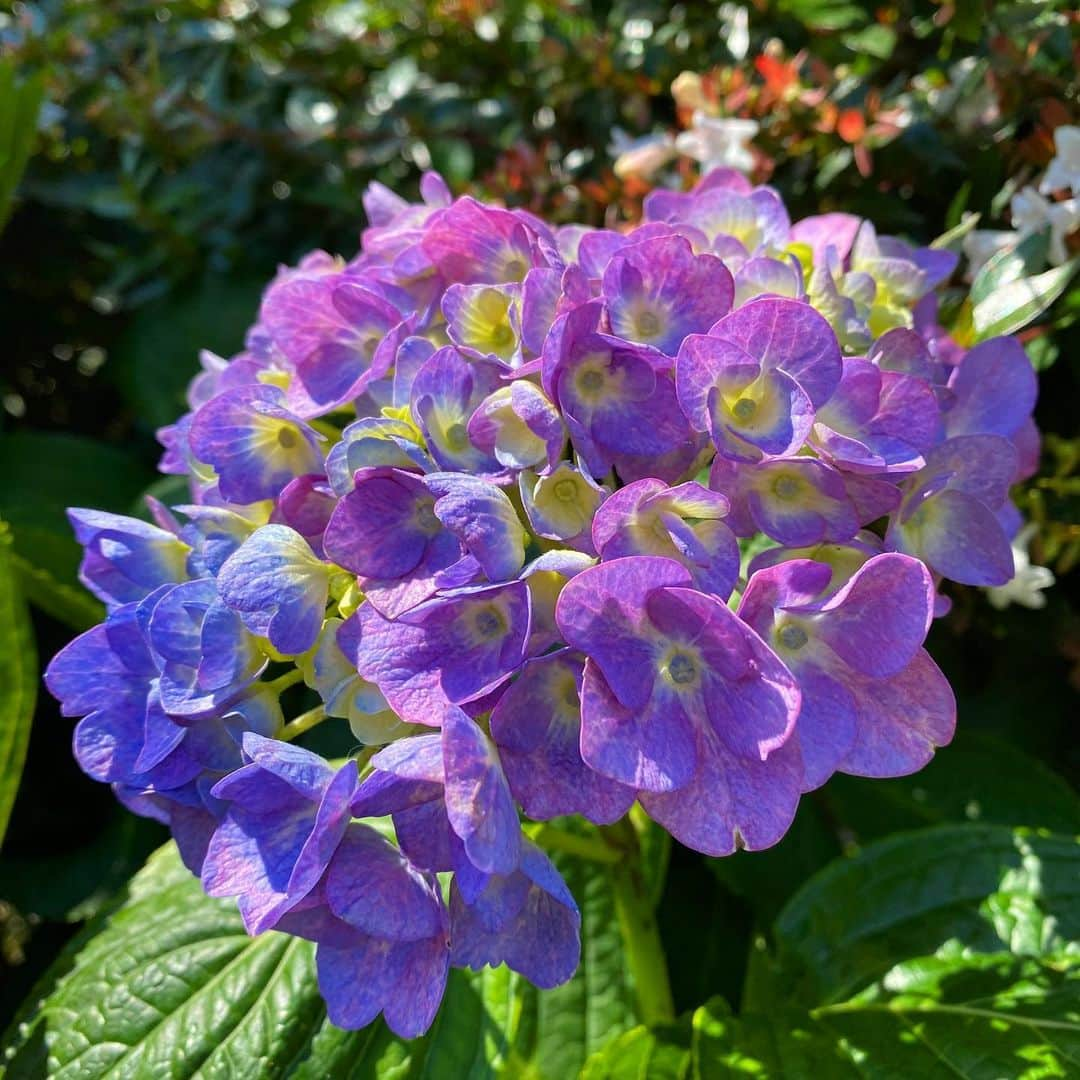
(304, 722)
(637, 920)
(283, 682)
(554, 839)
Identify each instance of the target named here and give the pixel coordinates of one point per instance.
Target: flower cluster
(482, 491)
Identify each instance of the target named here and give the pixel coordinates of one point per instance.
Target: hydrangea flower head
(478, 494)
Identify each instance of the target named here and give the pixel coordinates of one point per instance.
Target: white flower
(1064, 170)
(1028, 581)
(735, 29)
(640, 157)
(1031, 213)
(981, 245)
(719, 142)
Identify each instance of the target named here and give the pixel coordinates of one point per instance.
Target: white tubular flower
(640, 157)
(1028, 581)
(1031, 213)
(719, 142)
(1064, 170)
(735, 29)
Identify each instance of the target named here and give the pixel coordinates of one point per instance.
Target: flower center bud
(489, 623)
(426, 520)
(744, 408)
(457, 438)
(648, 324)
(592, 381)
(681, 669)
(793, 637)
(786, 487)
(565, 490)
(501, 335)
(286, 438)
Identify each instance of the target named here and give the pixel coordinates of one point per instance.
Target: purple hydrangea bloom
(878, 421)
(278, 586)
(484, 322)
(616, 399)
(332, 331)
(288, 811)
(205, 654)
(993, 390)
(391, 502)
(377, 914)
(796, 501)
(537, 727)
(446, 392)
(754, 381)
(519, 426)
(124, 558)
(948, 514)
(685, 523)
(453, 648)
(658, 291)
(674, 686)
(253, 442)
(873, 702)
(456, 487)
(527, 920)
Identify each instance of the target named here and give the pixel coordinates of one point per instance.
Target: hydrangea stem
(304, 722)
(640, 932)
(551, 838)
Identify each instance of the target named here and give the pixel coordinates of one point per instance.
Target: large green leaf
(18, 680)
(989, 886)
(977, 1016)
(944, 953)
(597, 1004)
(44, 473)
(172, 986)
(658, 1053)
(980, 1016)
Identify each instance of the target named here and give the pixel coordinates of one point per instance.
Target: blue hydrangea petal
(278, 586)
(478, 801)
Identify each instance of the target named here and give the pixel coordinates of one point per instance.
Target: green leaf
(172, 986)
(989, 886)
(1018, 303)
(18, 680)
(20, 104)
(44, 473)
(976, 1016)
(597, 1004)
(952, 239)
(1025, 259)
(657, 1053)
(943, 953)
(784, 1042)
(977, 778)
